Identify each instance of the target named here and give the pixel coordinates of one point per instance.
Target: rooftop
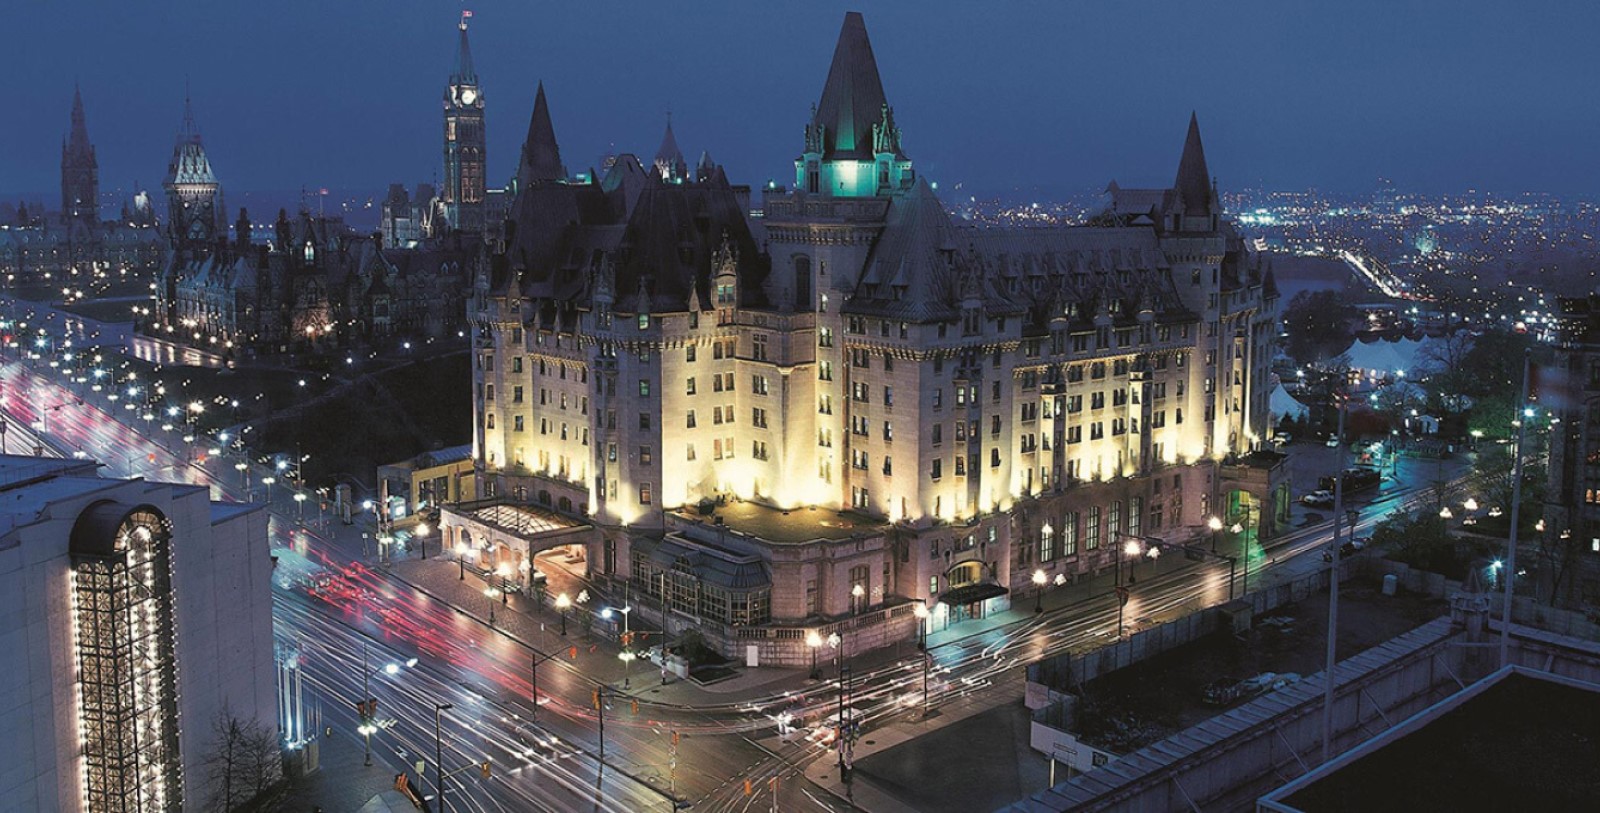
(791, 527)
(1516, 740)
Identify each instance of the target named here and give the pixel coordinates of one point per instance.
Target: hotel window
(611, 452)
(644, 420)
(689, 416)
(689, 386)
(961, 465)
(994, 458)
(758, 449)
(758, 416)
(716, 449)
(644, 455)
(888, 431)
(644, 388)
(644, 324)
(938, 468)
(824, 337)
(938, 434)
(758, 346)
(824, 371)
(516, 423)
(888, 466)
(888, 396)
(716, 415)
(758, 384)
(1136, 516)
(688, 353)
(825, 404)
(1094, 528)
(516, 394)
(491, 420)
(690, 451)
(1069, 534)
(644, 492)
(1114, 520)
(938, 399)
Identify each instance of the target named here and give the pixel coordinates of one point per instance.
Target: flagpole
(1524, 413)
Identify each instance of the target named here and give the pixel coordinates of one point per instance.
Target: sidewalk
(341, 783)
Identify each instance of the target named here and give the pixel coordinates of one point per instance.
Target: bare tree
(243, 761)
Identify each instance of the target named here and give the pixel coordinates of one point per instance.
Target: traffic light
(572, 652)
(635, 707)
(485, 768)
(597, 699)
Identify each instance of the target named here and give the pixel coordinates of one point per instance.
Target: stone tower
(194, 197)
(80, 171)
(464, 154)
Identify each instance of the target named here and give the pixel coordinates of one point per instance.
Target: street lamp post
(814, 642)
(491, 593)
(1215, 524)
(268, 481)
(300, 506)
(562, 603)
(438, 750)
(1039, 580)
(921, 612)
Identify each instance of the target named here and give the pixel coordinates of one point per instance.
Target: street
(333, 600)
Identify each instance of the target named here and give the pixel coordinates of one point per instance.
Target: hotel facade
(824, 410)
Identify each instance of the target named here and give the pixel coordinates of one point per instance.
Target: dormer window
(311, 252)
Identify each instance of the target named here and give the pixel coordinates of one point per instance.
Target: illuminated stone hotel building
(133, 614)
(819, 414)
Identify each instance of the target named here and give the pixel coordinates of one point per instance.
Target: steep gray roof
(852, 99)
(464, 73)
(1193, 183)
(541, 157)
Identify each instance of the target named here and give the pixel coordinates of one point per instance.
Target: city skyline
(1267, 100)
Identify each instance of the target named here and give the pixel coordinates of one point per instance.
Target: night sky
(1439, 96)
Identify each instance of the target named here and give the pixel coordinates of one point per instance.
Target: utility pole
(1333, 587)
(1524, 414)
(438, 752)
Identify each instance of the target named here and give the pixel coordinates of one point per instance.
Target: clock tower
(464, 161)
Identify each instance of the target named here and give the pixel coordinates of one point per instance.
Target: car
(1321, 498)
(1350, 548)
(1282, 438)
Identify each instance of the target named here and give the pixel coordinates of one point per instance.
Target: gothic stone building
(819, 418)
(74, 246)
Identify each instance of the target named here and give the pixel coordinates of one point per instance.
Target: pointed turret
(464, 73)
(705, 167)
(1193, 184)
(78, 141)
(194, 198)
(541, 157)
(669, 163)
(852, 100)
(80, 170)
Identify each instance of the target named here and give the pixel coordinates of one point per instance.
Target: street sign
(1122, 596)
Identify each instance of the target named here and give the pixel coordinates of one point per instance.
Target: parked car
(1321, 498)
(1350, 548)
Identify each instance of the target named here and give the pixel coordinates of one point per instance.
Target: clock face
(469, 96)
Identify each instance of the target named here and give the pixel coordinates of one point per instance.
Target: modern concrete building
(1568, 546)
(818, 418)
(136, 614)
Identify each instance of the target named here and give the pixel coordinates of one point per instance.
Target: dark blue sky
(1439, 96)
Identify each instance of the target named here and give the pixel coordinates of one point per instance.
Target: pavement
(341, 783)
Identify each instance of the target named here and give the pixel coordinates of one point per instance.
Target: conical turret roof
(541, 157)
(669, 162)
(1193, 184)
(852, 99)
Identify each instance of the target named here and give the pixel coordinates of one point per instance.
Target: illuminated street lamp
(1446, 513)
(300, 506)
(563, 602)
(1039, 581)
(1214, 522)
(814, 642)
(1471, 504)
(268, 481)
(856, 594)
(922, 614)
(492, 593)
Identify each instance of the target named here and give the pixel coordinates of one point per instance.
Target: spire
(464, 73)
(669, 163)
(852, 100)
(190, 133)
(1194, 179)
(541, 157)
(78, 140)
